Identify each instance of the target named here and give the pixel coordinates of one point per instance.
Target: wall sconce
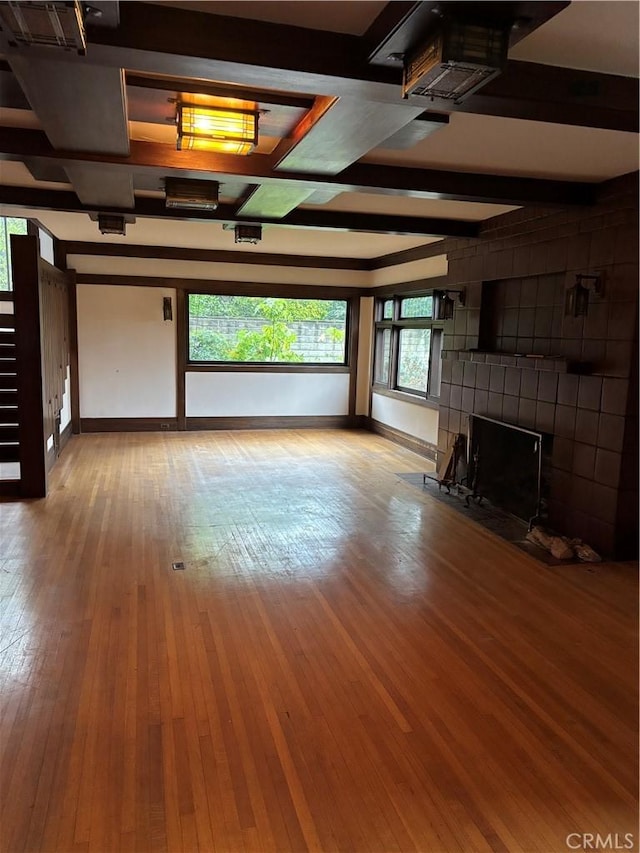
(167, 308)
(444, 303)
(225, 131)
(577, 297)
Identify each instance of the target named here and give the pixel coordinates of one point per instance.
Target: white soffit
(507, 146)
(592, 35)
(209, 235)
(19, 118)
(407, 206)
(16, 174)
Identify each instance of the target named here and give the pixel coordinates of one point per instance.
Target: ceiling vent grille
(54, 24)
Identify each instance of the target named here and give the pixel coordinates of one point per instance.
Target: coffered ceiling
(344, 167)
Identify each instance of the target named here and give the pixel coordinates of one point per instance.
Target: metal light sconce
(577, 297)
(444, 303)
(167, 308)
(219, 129)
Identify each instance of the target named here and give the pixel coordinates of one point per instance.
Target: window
(266, 330)
(8, 226)
(408, 346)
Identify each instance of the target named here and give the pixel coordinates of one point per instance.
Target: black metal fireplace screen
(508, 466)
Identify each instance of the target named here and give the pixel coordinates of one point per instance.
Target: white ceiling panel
(508, 146)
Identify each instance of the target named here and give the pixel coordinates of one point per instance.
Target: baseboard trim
(223, 423)
(65, 435)
(9, 488)
(128, 424)
(275, 422)
(418, 445)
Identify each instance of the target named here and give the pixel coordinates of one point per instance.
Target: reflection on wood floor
(343, 665)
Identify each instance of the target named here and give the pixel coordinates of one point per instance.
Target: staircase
(9, 440)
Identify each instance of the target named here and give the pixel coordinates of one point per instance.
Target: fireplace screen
(508, 466)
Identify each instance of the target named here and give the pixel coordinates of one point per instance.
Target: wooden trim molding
(276, 422)
(231, 423)
(411, 442)
(10, 489)
(128, 424)
(180, 253)
(352, 351)
(25, 261)
(264, 367)
(226, 288)
(65, 436)
(182, 355)
(74, 371)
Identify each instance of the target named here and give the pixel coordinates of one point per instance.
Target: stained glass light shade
(213, 129)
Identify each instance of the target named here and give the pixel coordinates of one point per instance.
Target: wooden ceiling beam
(162, 160)
(81, 112)
(154, 208)
(309, 62)
(180, 253)
(312, 62)
(527, 90)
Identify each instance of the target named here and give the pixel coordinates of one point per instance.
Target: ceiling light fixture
(226, 131)
(456, 61)
(247, 233)
(112, 223)
(52, 24)
(191, 194)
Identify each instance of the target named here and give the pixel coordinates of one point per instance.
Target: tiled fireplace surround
(515, 277)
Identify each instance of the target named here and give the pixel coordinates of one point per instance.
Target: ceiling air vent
(55, 24)
(456, 61)
(191, 195)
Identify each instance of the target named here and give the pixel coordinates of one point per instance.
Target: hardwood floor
(343, 665)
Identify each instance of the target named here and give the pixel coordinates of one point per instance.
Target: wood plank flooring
(343, 665)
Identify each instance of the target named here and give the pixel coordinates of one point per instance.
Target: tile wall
(515, 279)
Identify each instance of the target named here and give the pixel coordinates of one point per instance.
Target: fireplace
(509, 466)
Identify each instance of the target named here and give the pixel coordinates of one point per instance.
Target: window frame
(272, 366)
(396, 324)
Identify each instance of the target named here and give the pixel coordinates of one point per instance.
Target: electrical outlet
(165, 426)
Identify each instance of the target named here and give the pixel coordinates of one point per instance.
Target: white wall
(233, 394)
(413, 419)
(46, 246)
(127, 364)
(126, 352)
